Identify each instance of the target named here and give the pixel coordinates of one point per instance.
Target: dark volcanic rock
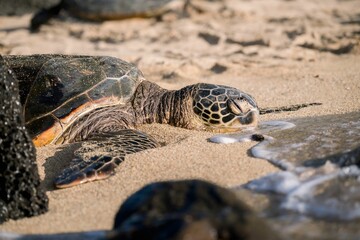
(191, 209)
(20, 193)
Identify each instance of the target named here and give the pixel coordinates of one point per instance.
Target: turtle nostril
(235, 106)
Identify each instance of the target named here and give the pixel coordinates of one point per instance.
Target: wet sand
(281, 52)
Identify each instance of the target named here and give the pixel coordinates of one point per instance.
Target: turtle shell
(68, 88)
(114, 9)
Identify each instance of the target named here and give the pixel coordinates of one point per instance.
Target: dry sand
(281, 52)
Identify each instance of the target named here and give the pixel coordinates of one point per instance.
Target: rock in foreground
(20, 192)
(179, 210)
(190, 209)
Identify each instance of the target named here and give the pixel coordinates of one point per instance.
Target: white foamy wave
(246, 135)
(281, 182)
(226, 139)
(334, 195)
(261, 150)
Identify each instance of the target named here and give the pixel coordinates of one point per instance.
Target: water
(331, 194)
(246, 134)
(301, 142)
(319, 187)
(311, 139)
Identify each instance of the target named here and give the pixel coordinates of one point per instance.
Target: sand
(281, 52)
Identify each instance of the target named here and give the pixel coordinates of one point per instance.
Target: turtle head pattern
(223, 109)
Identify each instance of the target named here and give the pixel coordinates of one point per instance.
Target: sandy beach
(281, 52)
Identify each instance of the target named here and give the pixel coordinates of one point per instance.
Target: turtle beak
(249, 118)
(246, 114)
(243, 121)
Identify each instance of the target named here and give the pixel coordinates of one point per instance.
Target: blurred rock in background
(19, 7)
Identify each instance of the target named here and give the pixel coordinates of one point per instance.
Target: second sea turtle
(102, 10)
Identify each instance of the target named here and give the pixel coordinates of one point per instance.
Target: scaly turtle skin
(101, 10)
(100, 100)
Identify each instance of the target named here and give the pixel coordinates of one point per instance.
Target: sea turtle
(102, 10)
(100, 100)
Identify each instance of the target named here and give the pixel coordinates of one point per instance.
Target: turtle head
(223, 109)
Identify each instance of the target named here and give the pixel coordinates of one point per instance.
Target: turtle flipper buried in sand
(99, 101)
(102, 10)
(114, 146)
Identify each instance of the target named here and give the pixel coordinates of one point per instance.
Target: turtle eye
(234, 105)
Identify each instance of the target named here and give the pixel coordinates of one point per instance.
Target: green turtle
(100, 100)
(102, 10)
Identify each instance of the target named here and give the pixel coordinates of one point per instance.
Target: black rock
(20, 192)
(190, 209)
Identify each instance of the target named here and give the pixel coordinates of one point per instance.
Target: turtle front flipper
(99, 156)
